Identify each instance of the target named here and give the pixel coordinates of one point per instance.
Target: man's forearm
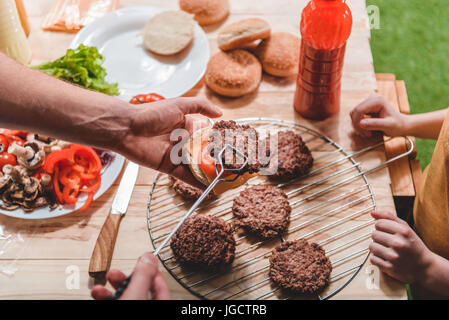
(33, 101)
(425, 125)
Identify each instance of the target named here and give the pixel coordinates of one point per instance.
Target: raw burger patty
(204, 240)
(263, 209)
(187, 191)
(293, 156)
(300, 267)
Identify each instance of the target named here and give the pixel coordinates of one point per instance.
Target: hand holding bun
(243, 32)
(234, 73)
(279, 54)
(206, 11)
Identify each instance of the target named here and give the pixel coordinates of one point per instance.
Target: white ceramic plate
(108, 176)
(118, 38)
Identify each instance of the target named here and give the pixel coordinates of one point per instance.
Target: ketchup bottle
(325, 27)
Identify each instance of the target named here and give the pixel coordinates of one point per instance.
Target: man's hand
(148, 140)
(398, 251)
(376, 114)
(146, 280)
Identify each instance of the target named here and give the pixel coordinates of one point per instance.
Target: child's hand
(376, 114)
(398, 251)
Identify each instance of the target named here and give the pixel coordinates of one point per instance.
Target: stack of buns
(236, 71)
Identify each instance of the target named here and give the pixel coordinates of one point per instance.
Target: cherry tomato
(7, 158)
(146, 98)
(4, 143)
(14, 133)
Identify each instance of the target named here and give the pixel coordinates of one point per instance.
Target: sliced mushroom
(9, 206)
(17, 173)
(41, 202)
(4, 181)
(45, 180)
(31, 155)
(48, 144)
(21, 190)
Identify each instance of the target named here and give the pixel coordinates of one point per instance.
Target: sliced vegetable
(207, 163)
(14, 133)
(146, 98)
(76, 169)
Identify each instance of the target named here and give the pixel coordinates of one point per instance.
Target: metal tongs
(219, 170)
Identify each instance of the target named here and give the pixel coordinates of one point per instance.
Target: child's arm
(399, 252)
(376, 114)
(426, 125)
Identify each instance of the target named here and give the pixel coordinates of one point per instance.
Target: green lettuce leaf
(82, 66)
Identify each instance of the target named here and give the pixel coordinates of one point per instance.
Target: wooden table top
(42, 259)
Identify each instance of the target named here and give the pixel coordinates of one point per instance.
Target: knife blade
(125, 189)
(100, 261)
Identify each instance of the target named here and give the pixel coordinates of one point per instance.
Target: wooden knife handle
(100, 261)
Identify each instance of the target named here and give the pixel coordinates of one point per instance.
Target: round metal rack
(331, 206)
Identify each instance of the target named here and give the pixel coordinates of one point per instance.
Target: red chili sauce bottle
(325, 27)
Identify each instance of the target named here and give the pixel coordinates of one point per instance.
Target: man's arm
(33, 101)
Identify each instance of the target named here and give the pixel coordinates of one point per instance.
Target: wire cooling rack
(330, 206)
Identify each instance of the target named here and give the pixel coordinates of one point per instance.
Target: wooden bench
(405, 173)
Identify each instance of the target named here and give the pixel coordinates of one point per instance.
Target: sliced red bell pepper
(88, 202)
(75, 169)
(56, 186)
(54, 158)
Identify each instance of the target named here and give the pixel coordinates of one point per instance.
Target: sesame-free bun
(233, 73)
(243, 32)
(206, 11)
(279, 54)
(169, 32)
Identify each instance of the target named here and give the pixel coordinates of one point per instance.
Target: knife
(104, 248)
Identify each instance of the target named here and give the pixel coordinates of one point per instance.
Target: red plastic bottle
(325, 27)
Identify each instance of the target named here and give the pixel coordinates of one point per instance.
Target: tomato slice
(207, 163)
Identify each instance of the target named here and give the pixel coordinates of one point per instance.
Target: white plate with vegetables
(35, 163)
(118, 37)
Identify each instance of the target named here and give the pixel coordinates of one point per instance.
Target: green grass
(413, 43)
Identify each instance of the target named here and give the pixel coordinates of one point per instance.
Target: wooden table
(44, 258)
